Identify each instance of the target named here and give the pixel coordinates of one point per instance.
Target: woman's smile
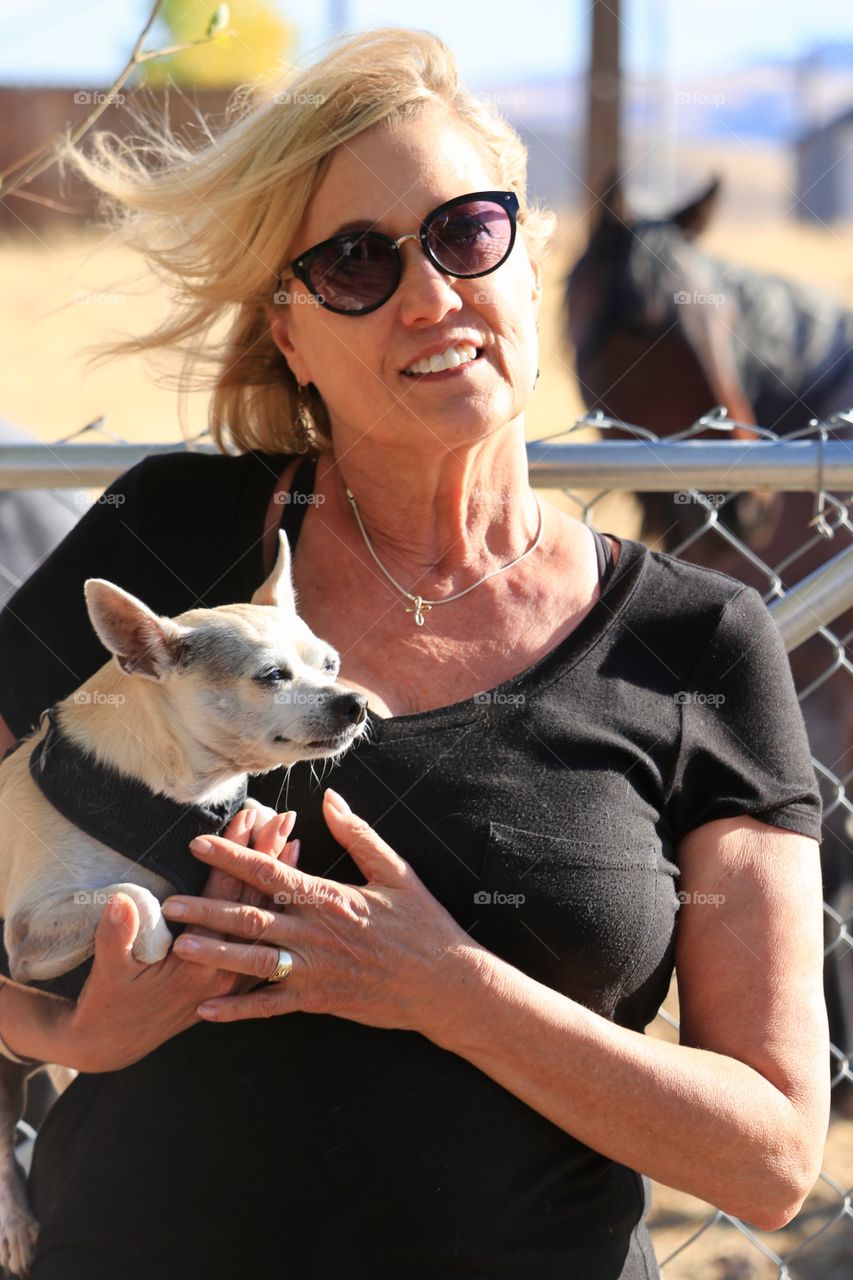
(456, 360)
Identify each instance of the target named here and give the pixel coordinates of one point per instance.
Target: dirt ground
(60, 297)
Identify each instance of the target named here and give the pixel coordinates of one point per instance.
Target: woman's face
(392, 177)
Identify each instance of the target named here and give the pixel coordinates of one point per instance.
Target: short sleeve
(744, 748)
(47, 644)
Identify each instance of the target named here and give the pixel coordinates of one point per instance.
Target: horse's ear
(613, 207)
(694, 217)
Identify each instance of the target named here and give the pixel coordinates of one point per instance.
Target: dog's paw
(153, 943)
(154, 937)
(263, 812)
(18, 1235)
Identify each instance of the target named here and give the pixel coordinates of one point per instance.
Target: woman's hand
(384, 953)
(127, 1008)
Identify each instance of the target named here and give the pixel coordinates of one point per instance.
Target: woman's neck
(443, 518)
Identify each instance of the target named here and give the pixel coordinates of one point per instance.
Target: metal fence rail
(808, 589)
(653, 465)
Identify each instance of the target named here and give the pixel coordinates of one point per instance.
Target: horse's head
(639, 317)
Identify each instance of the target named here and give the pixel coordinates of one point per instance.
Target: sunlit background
(708, 87)
(758, 93)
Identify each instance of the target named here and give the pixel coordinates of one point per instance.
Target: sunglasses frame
(301, 267)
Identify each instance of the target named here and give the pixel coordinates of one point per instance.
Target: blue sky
(86, 41)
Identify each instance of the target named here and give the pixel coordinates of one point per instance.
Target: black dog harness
(152, 830)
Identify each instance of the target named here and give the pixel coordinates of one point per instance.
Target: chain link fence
(774, 513)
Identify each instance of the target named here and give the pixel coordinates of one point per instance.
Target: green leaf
(219, 19)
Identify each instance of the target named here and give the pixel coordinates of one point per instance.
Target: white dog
(155, 748)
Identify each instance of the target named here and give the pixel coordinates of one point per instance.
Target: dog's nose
(351, 707)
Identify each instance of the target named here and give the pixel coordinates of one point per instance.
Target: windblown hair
(217, 221)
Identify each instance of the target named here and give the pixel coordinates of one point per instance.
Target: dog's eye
(275, 676)
(330, 664)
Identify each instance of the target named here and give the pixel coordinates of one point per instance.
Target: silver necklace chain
(419, 603)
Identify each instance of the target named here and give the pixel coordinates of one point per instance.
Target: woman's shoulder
(680, 587)
(677, 610)
(180, 466)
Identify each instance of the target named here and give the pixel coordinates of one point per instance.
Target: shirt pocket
(575, 914)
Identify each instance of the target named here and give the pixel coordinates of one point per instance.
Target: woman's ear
(279, 317)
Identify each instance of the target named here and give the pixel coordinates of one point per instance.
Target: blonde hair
(217, 221)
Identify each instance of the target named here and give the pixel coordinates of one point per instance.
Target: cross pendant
(418, 610)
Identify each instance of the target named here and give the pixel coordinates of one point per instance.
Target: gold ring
(283, 969)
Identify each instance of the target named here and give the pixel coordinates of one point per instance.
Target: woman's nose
(426, 294)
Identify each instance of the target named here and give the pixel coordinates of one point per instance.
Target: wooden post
(604, 101)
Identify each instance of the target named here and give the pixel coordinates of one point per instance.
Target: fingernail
(208, 1010)
(187, 944)
(201, 847)
(337, 802)
(286, 823)
(246, 819)
(116, 909)
(174, 909)
(295, 846)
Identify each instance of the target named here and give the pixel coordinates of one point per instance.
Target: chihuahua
(155, 748)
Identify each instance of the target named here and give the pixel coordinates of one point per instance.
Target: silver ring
(283, 969)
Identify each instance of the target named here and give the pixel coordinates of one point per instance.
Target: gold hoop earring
(303, 426)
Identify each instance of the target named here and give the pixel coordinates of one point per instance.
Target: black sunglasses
(353, 274)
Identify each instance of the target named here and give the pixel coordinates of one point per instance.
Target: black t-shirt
(545, 814)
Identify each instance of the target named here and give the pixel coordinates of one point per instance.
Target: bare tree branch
(48, 155)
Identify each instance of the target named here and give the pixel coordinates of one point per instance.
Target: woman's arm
(736, 1114)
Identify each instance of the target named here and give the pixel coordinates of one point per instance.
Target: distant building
(824, 159)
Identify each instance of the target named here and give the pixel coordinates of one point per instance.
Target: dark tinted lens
(352, 273)
(471, 239)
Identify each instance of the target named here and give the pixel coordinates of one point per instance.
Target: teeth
(447, 360)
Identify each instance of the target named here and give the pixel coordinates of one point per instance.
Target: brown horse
(662, 333)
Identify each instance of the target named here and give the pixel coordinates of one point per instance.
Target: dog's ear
(278, 588)
(142, 643)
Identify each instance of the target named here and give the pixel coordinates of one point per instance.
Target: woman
(482, 937)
